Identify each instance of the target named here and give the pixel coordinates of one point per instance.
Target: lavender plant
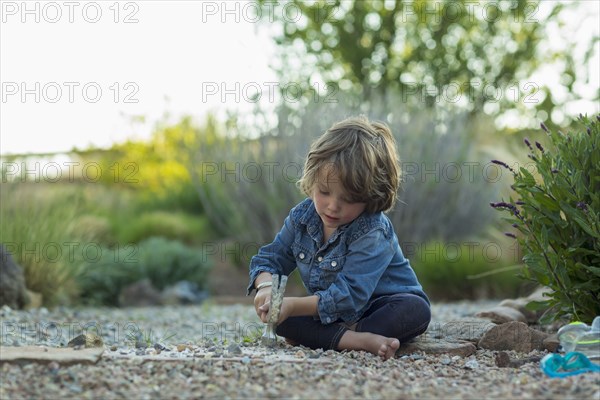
(556, 214)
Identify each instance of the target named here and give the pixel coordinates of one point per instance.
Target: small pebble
(472, 364)
(181, 347)
(234, 349)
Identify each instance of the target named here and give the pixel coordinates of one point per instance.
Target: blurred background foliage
(176, 198)
(481, 57)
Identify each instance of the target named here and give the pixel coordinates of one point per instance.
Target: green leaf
(537, 305)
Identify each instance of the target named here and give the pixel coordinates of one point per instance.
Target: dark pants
(402, 316)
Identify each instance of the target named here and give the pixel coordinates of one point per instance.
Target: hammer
(278, 289)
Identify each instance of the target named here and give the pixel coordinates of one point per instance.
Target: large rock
(437, 346)
(139, 294)
(515, 336)
(520, 305)
(38, 354)
(464, 329)
(501, 315)
(12, 281)
(183, 292)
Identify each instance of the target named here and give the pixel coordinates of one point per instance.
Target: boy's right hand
(262, 297)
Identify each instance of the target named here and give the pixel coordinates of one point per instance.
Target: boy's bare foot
(381, 346)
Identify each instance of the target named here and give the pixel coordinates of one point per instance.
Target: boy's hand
(261, 303)
(287, 307)
(290, 306)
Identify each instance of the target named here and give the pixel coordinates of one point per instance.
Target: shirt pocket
(329, 267)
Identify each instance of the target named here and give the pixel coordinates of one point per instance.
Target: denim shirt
(360, 262)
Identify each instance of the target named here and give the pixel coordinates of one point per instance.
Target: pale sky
(76, 75)
(174, 50)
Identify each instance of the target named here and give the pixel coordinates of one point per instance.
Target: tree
(478, 55)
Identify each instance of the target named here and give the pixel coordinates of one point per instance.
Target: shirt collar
(314, 224)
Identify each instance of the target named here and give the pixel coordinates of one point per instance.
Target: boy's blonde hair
(363, 156)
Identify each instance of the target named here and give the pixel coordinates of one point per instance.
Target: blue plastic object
(573, 363)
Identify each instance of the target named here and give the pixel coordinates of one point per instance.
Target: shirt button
(320, 259)
(333, 263)
(301, 255)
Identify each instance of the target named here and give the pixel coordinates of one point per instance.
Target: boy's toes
(387, 350)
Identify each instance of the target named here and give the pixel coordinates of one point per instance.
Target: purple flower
(528, 144)
(515, 225)
(554, 171)
(520, 203)
(589, 131)
(534, 158)
(582, 206)
(503, 204)
(598, 117)
(539, 146)
(544, 127)
(503, 164)
(511, 235)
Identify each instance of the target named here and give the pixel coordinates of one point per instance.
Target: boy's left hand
(287, 307)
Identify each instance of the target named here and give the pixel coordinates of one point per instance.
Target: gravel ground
(211, 351)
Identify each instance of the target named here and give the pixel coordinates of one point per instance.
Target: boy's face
(332, 202)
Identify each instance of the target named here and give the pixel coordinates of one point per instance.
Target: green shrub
(556, 212)
(466, 270)
(246, 175)
(163, 261)
(187, 228)
(92, 228)
(37, 230)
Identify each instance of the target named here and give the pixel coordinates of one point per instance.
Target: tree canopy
(477, 55)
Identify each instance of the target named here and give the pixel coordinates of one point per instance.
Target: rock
(234, 349)
(472, 364)
(520, 305)
(537, 339)
(87, 340)
(551, 343)
(469, 329)
(182, 347)
(159, 348)
(183, 292)
(62, 356)
(437, 346)
(503, 360)
(510, 336)
(501, 315)
(513, 336)
(139, 294)
(539, 294)
(13, 292)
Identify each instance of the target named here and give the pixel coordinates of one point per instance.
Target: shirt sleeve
(367, 259)
(276, 257)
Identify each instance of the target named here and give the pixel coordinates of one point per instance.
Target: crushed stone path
(212, 351)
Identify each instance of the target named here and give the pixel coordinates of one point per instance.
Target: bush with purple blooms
(557, 216)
